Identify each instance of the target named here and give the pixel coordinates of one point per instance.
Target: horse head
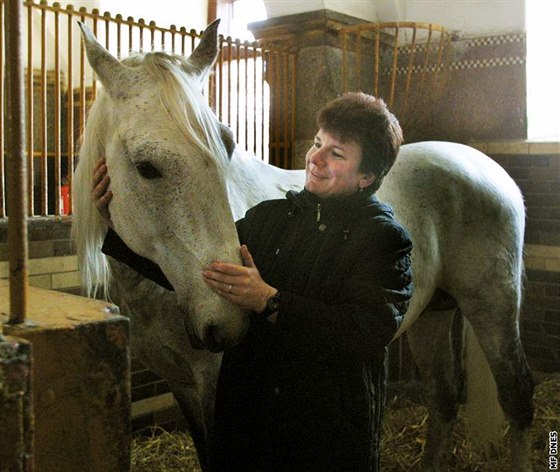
(167, 159)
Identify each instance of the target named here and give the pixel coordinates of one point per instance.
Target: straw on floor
(404, 437)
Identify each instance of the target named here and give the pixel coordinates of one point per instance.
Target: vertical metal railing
(252, 90)
(405, 63)
(15, 121)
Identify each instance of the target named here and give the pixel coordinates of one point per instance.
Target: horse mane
(88, 228)
(181, 97)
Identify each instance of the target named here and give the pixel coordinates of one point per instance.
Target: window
(543, 70)
(245, 96)
(237, 14)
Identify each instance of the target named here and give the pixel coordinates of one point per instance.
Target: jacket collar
(347, 206)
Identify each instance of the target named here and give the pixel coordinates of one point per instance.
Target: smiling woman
(333, 167)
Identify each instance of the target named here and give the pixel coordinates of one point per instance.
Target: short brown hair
(356, 116)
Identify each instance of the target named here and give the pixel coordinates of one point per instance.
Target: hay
(164, 451)
(404, 437)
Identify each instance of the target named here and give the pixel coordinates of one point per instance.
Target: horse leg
(432, 347)
(198, 411)
(495, 323)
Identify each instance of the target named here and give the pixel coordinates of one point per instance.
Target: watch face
(273, 303)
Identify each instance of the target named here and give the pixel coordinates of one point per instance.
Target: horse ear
(107, 67)
(202, 59)
(227, 138)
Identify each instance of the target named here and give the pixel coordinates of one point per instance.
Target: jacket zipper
(318, 212)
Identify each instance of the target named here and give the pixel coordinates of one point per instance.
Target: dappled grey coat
(306, 394)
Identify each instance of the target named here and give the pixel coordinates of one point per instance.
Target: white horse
(171, 176)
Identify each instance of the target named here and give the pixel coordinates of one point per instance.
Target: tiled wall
(484, 99)
(52, 260)
(536, 169)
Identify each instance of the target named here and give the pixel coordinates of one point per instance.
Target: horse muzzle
(215, 337)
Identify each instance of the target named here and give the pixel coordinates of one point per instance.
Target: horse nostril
(213, 340)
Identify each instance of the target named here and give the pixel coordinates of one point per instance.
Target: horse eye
(147, 170)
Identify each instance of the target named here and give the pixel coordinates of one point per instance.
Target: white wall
(189, 13)
(472, 17)
(364, 9)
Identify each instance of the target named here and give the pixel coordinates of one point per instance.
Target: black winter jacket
(307, 393)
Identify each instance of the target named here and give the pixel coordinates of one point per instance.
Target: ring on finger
(229, 288)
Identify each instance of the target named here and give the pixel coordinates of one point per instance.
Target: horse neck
(251, 181)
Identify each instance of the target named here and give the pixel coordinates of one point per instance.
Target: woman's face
(332, 167)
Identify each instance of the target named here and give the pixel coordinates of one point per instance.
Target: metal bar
(246, 91)
(229, 80)
(255, 98)
(263, 84)
(57, 115)
(276, 102)
(344, 64)
(107, 19)
(43, 117)
(2, 156)
(70, 108)
(376, 64)
(141, 26)
(130, 20)
(426, 58)
(237, 86)
(409, 72)
(151, 26)
(30, 124)
(220, 71)
(183, 38)
(394, 67)
(440, 56)
(173, 35)
(285, 105)
(359, 61)
(17, 196)
(82, 86)
(119, 35)
(293, 128)
(93, 81)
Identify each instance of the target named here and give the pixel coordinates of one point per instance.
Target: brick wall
(52, 260)
(536, 169)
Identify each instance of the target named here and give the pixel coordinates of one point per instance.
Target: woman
(327, 276)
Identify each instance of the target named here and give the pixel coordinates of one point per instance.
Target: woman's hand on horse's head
(242, 285)
(100, 194)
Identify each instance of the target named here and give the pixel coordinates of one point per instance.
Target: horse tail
(483, 414)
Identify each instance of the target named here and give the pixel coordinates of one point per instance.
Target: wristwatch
(272, 306)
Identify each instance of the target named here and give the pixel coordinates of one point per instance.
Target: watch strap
(272, 306)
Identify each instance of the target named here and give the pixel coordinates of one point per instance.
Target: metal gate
(252, 90)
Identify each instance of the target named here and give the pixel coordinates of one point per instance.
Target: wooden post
(16, 168)
(16, 412)
(81, 384)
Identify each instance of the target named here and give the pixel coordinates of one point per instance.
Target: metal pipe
(3, 208)
(17, 168)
